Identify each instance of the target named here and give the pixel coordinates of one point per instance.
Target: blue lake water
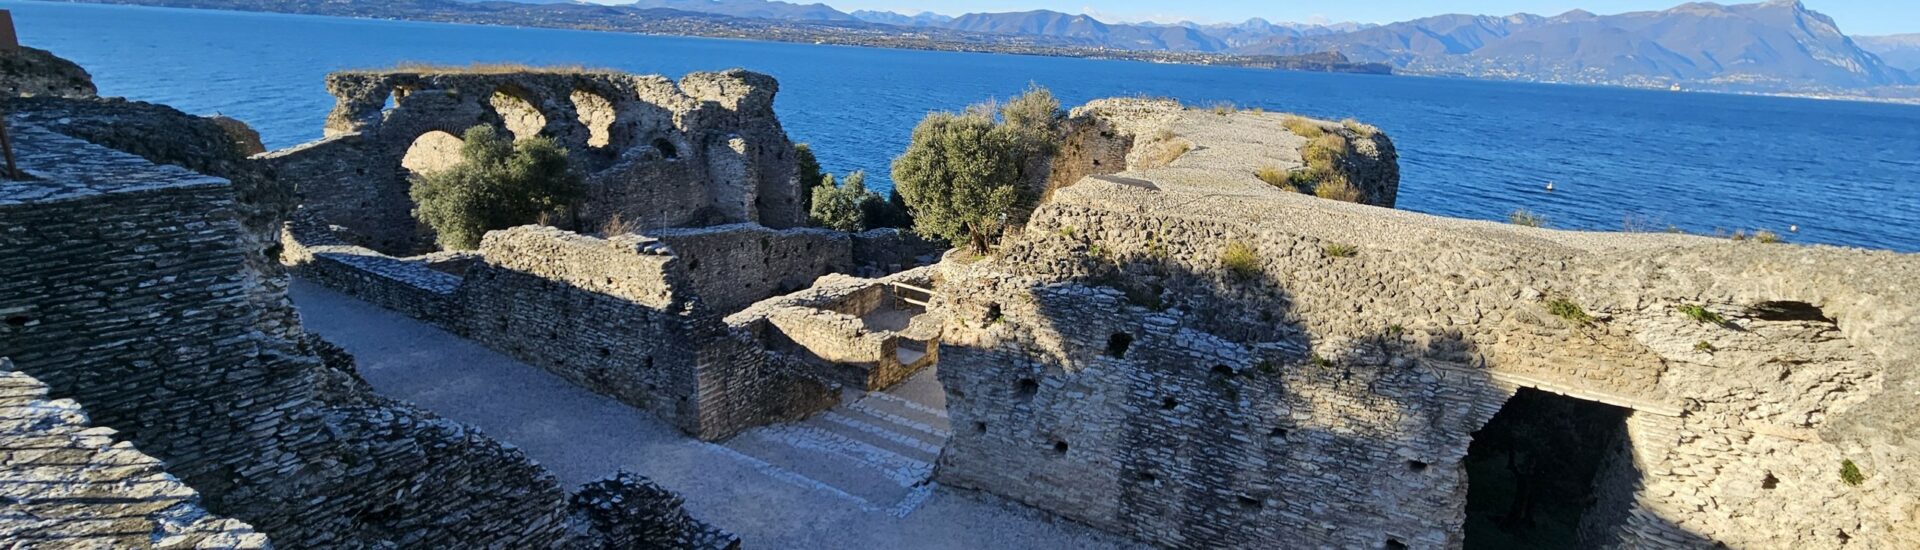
(1845, 173)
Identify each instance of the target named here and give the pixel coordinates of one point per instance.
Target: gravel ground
(582, 436)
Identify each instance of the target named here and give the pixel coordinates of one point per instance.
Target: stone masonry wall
(1112, 364)
(706, 150)
(124, 286)
(52, 458)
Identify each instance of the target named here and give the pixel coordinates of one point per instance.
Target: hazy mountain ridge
(1900, 51)
(762, 9)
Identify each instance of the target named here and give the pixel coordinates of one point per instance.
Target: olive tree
(847, 206)
(965, 176)
(498, 183)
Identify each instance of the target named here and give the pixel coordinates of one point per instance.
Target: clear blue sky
(1856, 17)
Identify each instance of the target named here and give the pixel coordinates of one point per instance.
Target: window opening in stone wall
(666, 149)
(1532, 471)
(597, 114)
(517, 112)
(1117, 345)
(432, 152)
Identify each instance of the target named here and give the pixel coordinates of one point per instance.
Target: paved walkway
(853, 477)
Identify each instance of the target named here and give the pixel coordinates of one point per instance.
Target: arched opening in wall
(666, 149)
(1542, 466)
(432, 152)
(517, 111)
(596, 113)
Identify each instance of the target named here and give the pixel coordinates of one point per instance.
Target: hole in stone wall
(1223, 371)
(516, 109)
(1535, 469)
(1145, 477)
(432, 152)
(1117, 345)
(1770, 481)
(1416, 466)
(1060, 447)
(979, 427)
(1788, 311)
(993, 314)
(18, 320)
(693, 265)
(597, 114)
(666, 149)
(1395, 544)
(1028, 388)
(1249, 503)
(1169, 404)
(1277, 435)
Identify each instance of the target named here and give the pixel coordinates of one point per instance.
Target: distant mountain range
(1774, 47)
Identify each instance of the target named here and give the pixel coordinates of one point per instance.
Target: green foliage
(1322, 155)
(1850, 473)
(1569, 311)
(1701, 314)
(807, 169)
(1266, 366)
(846, 206)
(499, 183)
(1337, 187)
(1703, 346)
(1767, 237)
(1396, 330)
(1276, 177)
(1241, 260)
(1321, 362)
(964, 175)
(1337, 250)
(1303, 127)
(1529, 219)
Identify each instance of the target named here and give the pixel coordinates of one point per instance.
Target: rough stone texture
(32, 72)
(245, 138)
(856, 332)
(635, 317)
(124, 286)
(706, 150)
(879, 252)
(1109, 366)
(66, 483)
(1111, 136)
(628, 511)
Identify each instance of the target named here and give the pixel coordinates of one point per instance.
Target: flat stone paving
(853, 477)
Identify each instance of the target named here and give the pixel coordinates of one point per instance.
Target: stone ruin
(1119, 364)
(1170, 349)
(167, 396)
(706, 150)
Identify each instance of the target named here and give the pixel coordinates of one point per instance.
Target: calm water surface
(1845, 173)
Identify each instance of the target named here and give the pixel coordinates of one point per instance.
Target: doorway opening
(1534, 471)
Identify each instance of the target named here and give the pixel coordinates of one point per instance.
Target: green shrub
(965, 173)
(1276, 177)
(807, 169)
(1337, 250)
(1338, 188)
(1703, 346)
(846, 206)
(1850, 473)
(498, 183)
(1570, 312)
(1241, 260)
(1321, 362)
(1767, 237)
(1701, 314)
(1529, 219)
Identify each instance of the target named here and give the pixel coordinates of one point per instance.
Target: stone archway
(518, 111)
(596, 112)
(431, 152)
(1540, 467)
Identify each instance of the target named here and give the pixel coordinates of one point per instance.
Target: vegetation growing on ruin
(1241, 260)
(617, 225)
(1570, 312)
(498, 183)
(1224, 108)
(1363, 130)
(1322, 175)
(1526, 218)
(964, 175)
(845, 206)
(807, 169)
(1303, 127)
(1704, 346)
(1276, 177)
(1850, 473)
(1701, 314)
(1161, 148)
(1338, 250)
(1338, 187)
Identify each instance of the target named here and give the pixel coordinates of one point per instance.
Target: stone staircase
(877, 450)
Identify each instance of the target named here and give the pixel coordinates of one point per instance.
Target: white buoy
(1793, 229)
(1549, 187)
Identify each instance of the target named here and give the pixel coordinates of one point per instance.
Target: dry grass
(1529, 219)
(617, 226)
(1303, 127)
(487, 68)
(1276, 177)
(1768, 237)
(1241, 260)
(1338, 188)
(1162, 148)
(1337, 250)
(1224, 108)
(1364, 130)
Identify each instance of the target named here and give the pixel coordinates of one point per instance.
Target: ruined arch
(1543, 467)
(431, 152)
(596, 112)
(519, 112)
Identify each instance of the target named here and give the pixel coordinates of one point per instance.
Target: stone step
(884, 436)
(904, 419)
(878, 475)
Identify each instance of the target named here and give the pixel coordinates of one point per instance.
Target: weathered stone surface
(707, 150)
(859, 333)
(628, 511)
(124, 286)
(1109, 365)
(33, 72)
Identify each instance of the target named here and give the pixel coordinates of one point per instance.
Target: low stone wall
(411, 288)
(823, 330)
(732, 266)
(51, 458)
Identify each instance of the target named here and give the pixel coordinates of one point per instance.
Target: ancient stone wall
(707, 150)
(124, 285)
(38, 73)
(846, 329)
(51, 457)
(732, 266)
(1207, 364)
